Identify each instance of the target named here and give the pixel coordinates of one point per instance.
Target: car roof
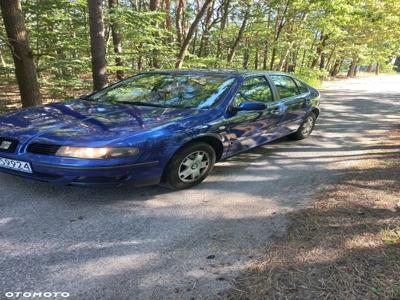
(219, 72)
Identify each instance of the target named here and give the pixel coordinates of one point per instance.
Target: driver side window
(255, 89)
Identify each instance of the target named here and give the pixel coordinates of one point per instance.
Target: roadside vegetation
(63, 48)
(346, 245)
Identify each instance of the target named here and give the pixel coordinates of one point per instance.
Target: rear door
(291, 97)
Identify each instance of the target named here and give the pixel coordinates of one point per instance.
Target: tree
(97, 44)
(189, 36)
(18, 41)
(116, 37)
(240, 33)
(154, 7)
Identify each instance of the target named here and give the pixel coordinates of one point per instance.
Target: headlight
(96, 153)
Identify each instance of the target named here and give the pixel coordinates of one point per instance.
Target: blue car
(167, 127)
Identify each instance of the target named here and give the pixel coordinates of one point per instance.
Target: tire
(185, 168)
(305, 128)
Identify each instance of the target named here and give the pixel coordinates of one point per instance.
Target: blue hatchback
(166, 127)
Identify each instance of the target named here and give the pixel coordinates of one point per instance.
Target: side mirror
(251, 106)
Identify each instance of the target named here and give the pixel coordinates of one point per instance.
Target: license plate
(16, 165)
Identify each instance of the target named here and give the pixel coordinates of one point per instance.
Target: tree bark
(155, 60)
(168, 19)
(280, 23)
(116, 37)
(350, 72)
(224, 20)
(153, 5)
(320, 52)
(377, 68)
(203, 50)
(97, 44)
(266, 41)
(3, 62)
(240, 34)
(189, 36)
(179, 21)
(18, 41)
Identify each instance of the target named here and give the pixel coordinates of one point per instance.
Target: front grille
(10, 147)
(45, 149)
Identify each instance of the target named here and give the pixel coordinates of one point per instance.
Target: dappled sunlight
(144, 237)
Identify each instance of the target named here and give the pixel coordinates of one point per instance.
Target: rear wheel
(190, 166)
(305, 128)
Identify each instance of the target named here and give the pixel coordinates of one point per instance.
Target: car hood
(78, 122)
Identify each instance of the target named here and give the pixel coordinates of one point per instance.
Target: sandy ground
(151, 243)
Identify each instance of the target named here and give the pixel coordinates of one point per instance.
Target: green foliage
(313, 77)
(307, 37)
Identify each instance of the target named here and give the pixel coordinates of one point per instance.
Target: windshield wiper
(86, 97)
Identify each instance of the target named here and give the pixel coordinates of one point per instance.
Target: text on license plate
(17, 165)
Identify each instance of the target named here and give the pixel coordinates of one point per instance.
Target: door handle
(275, 111)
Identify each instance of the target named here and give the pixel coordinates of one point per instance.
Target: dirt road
(152, 243)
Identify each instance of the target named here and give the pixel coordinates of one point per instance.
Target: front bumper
(138, 174)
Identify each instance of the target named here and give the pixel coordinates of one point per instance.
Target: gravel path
(152, 243)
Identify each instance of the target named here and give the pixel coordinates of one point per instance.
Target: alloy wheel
(307, 126)
(194, 166)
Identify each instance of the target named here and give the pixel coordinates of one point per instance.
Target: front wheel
(305, 128)
(190, 166)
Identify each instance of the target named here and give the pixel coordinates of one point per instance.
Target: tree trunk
(189, 36)
(332, 71)
(265, 55)
(246, 56)
(168, 19)
(280, 23)
(25, 70)
(203, 51)
(97, 44)
(377, 68)
(116, 37)
(369, 70)
(328, 63)
(256, 59)
(3, 62)
(153, 5)
(224, 19)
(320, 53)
(155, 61)
(350, 72)
(266, 41)
(336, 68)
(240, 34)
(179, 21)
(284, 58)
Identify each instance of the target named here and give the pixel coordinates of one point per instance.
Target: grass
(391, 236)
(346, 245)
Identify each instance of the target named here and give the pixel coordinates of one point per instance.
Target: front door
(247, 129)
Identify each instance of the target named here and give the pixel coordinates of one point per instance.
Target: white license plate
(17, 165)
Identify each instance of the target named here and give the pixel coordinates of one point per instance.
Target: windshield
(167, 90)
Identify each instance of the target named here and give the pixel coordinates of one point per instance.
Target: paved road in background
(151, 243)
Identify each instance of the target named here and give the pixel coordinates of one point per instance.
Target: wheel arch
(212, 140)
(315, 111)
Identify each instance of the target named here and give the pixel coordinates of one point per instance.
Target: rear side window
(285, 86)
(302, 87)
(255, 89)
